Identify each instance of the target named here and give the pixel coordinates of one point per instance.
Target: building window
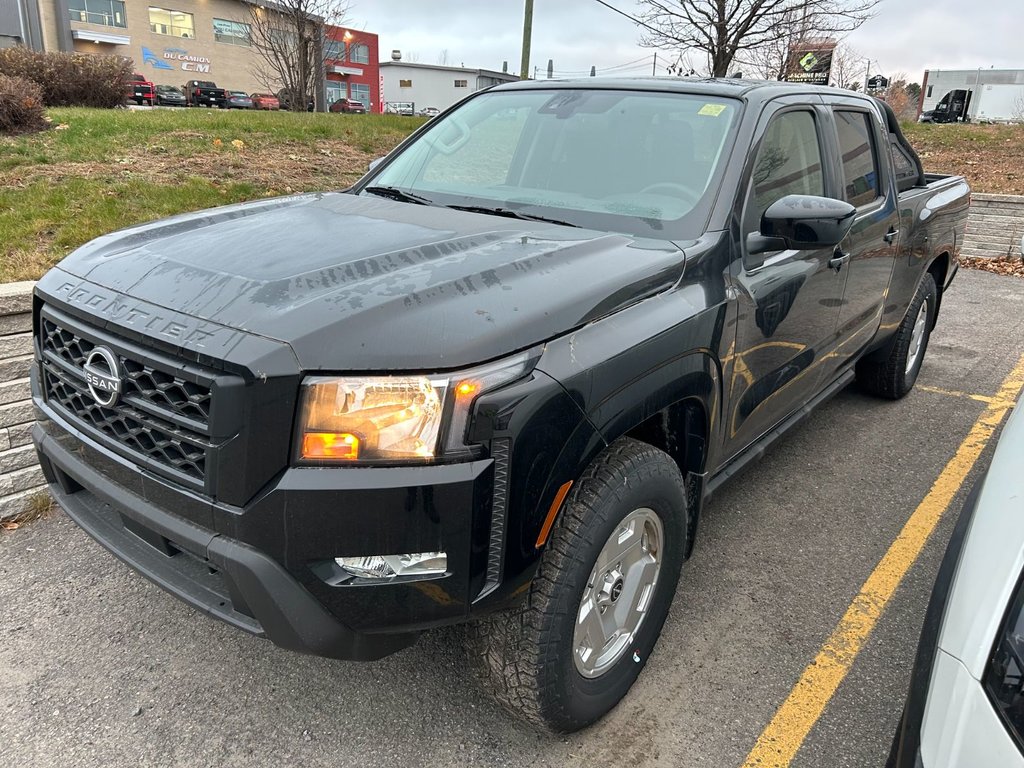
(173, 23)
(360, 92)
(334, 50)
(109, 13)
(462, 84)
(359, 53)
(929, 91)
(335, 91)
(231, 32)
(405, 83)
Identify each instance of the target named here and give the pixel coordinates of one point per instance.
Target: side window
(860, 163)
(906, 169)
(788, 163)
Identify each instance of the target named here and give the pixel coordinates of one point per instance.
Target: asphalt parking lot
(99, 667)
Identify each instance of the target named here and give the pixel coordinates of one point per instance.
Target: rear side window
(788, 163)
(906, 169)
(860, 160)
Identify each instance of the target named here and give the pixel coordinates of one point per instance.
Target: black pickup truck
(204, 93)
(494, 382)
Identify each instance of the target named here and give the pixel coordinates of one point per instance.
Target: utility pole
(524, 68)
(867, 76)
(654, 69)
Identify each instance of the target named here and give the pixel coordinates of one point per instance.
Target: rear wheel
(894, 377)
(597, 604)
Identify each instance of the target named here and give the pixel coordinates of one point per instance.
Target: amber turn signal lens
(330, 445)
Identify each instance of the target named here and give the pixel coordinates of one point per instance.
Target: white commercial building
(990, 95)
(405, 85)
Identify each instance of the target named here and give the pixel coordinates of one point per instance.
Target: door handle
(890, 236)
(838, 259)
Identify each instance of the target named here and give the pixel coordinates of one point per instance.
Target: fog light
(386, 566)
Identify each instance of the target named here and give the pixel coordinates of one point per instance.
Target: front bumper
(254, 567)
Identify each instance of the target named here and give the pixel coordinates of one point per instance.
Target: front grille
(170, 395)
(130, 428)
(162, 418)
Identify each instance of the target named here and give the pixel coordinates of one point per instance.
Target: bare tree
(727, 29)
(442, 57)
(1018, 117)
(288, 36)
(847, 67)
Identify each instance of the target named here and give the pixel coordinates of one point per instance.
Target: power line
(636, 63)
(635, 20)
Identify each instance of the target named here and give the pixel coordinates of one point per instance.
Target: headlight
(369, 419)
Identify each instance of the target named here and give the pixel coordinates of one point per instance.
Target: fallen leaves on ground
(1003, 265)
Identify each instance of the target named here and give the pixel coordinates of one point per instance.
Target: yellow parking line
(957, 393)
(778, 743)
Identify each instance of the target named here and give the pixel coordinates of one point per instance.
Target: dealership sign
(810, 62)
(176, 56)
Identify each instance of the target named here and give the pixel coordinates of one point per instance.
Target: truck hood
(355, 283)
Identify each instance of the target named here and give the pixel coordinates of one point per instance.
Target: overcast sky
(906, 36)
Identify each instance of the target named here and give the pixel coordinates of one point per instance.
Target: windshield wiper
(510, 214)
(394, 193)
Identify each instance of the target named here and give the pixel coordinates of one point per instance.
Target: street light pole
(524, 68)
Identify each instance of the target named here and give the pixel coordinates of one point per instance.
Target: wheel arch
(939, 268)
(682, 430)
(674, 408)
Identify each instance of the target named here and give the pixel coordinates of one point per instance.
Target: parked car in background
(284, 98)
(140, 90)
(204, 93)
(237, 100)
(265, 101)
(430, 112)
(349, 105)
(965, 707)
(169, 96)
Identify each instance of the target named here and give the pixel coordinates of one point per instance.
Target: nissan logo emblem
(103, 375)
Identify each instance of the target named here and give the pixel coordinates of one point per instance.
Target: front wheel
(596, 606)
(894, 377)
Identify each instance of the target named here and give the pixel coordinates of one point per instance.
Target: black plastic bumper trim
(282, 610)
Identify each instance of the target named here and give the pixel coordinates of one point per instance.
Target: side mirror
(375, 162)
(802, 222)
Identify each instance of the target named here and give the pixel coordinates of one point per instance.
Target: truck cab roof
(727, 87)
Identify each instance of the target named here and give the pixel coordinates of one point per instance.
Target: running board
(758, 448)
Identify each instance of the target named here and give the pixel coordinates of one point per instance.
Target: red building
(352, 67)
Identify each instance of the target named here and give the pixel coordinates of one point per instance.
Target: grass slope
(100, 170)
(988, 155)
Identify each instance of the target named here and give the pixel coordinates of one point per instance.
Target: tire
(894, 377)
(530, 657)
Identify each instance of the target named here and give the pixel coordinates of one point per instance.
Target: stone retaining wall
(21, 480)
(995, 226)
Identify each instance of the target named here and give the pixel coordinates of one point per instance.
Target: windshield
(637, 162)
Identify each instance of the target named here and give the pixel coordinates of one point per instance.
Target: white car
(965, 708)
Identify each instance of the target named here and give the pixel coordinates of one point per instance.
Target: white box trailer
(997, 104)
